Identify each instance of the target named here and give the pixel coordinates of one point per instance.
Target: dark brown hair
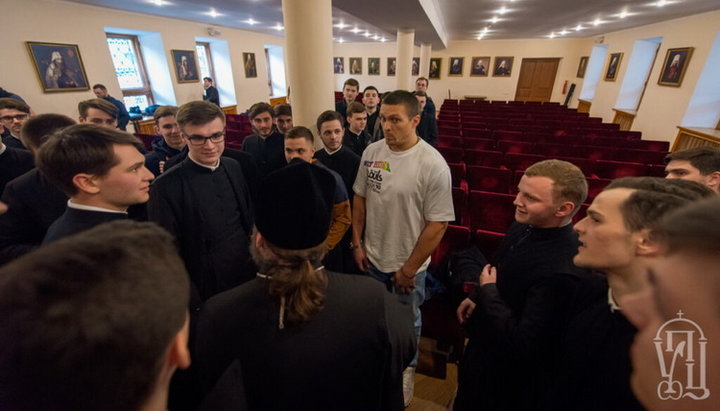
(38, 129)
(259, 108)
(164, 111)
(354, 108)
(283, 110)
(81, 148)
(13, 104)
(87, 320)
(300, 132)
(329, 115)
(707, 160)
(694, 227)
(405, 99)
(99, 104)
(197, 113)
(352, 82)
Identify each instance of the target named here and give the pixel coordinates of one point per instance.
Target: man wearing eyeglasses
(13, 114)
(204, 201)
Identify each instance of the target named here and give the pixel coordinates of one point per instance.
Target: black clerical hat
(294, 205)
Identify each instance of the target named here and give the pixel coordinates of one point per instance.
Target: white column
(425, 52)
(405, 44)
(308, 59)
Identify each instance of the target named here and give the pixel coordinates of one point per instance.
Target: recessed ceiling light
(503, 10)
(279, 27)
(212, 13)
(251, 22)
(552, 35)
(623, 14)
(597, 22)
(486, 29)
(341, 40)
(376, 37)
(355, 30)
(367, 34)
(661, 3)
(564, 32)
(494, 20)
(160, 2)
(480, 36)
(341, 25)
(579, 27)
(383, 39)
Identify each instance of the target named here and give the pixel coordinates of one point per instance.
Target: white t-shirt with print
(402, 191)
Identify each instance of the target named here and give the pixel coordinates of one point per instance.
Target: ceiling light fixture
(341, 40)
(623, 14)
(579, 27)
(279, 27)
(563, 32)
(494, 20)
(502, 10)
(383, 39)
(251, 22)
(486, 29)
(212, 13)
(341, 25)
(159, 2)
(661, 3)
(355, 30)
(480, 36)
(376, 37)
(552, 35)
(597, 22)
(367, 34)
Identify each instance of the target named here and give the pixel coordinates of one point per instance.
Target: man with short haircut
(98, 111)
(211, 94)
(699, 164)
(403, 204)
(101, 171)
(427, 129)
(356, 136)
(421, 84)
(205, 203)
(617, 238)
(683, 295)
(267, 146)
(371, 100)
(515, 317)
(283, 118)
(170, 142)
(351, 88)
(13, 114)
(35, 203)
(123, 117)
(305, 338)
(300, 144)
(96, 321)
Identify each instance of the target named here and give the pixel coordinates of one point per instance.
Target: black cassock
(349, 356)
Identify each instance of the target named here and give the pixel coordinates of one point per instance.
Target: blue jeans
(415, 299)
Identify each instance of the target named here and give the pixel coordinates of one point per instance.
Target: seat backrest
(491, 179)
(491, 211)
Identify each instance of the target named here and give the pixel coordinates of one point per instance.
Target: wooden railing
(624, 117)
(583, 106)
(691, 137)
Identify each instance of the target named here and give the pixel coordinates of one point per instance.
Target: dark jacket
(75, 221)
(14, 162)
(269, 152)
(161, 152)
(362, 331)
(211, 94)
(13, 142)
(123, 115)
(427, 129)
(356, 142)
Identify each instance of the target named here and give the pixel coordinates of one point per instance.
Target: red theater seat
(491, 211)
(457, 171)
(478, 144)
(510, 147)
(521, 161)
(496, 180)
(617, 169)
(448, 141)
(483, 158)
(640, 156)
(460, 203)
(455, 238)
(488, 242)
(451, 154)
(595, 186)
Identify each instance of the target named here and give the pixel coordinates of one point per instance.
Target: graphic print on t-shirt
(375, 172)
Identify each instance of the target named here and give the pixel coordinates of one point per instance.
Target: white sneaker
(408, 385)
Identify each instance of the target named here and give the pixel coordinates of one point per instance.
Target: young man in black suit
(101, 170)
(267, 145)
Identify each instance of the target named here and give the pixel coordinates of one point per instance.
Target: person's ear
(179, 353)
(565, 209)
(157, 129)
(644, 244)
(713, 180)
(87, 183)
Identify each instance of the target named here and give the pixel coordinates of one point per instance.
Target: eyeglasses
(17, 117)
(200, 140)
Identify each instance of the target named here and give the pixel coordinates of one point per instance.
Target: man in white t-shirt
(403, 202)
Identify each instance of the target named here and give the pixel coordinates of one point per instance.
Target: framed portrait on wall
(674, 66)
(613, 66)
(355, 65)
(185, 66)
(582, 66)
(58, 66)
(435, 65)
(391, 66)
(374, 66)
(338, 65)
(479, 66)
(455, 66)
(415, 66)
(503, 66)
(250, 65)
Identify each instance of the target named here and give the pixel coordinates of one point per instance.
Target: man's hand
(3, 207)
(488, 275)
(405, 284)
(361, 259)
(465, 310)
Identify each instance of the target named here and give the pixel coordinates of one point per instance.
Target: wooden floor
(433, 394)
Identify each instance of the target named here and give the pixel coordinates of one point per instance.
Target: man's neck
(629, 279)
(370, 110)
(93, 201)
(348, 102)
(356, 132)
(412, 143)
(331, 152)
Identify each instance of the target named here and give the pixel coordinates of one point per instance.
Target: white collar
(611, 301)
(333, 152)
(212, 168)
(3, 148)
(77, 206)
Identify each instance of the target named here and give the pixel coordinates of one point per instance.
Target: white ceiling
(434, 21)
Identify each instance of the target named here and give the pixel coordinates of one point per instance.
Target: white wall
(72, 23)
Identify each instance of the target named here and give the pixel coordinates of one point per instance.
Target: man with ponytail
(301, 336)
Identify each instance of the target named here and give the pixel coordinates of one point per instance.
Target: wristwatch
(355, 246)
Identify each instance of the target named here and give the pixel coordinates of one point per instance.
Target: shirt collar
(92, 208)
(333, 152)
(3, 148)
(211, 168)
(611, 301)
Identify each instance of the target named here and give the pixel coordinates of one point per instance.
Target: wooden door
(537, 78)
